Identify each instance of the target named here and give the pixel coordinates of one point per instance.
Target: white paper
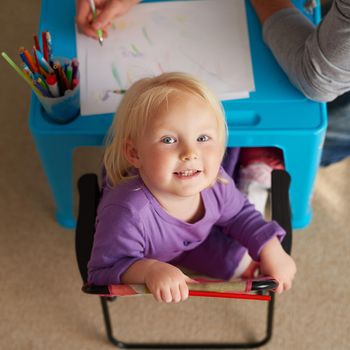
(206, 38)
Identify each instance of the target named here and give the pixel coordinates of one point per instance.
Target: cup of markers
(54, 80)
(60, 97)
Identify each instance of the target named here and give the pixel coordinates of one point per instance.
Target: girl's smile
(187, 174)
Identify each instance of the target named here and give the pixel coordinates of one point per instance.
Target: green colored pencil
(94, 15)
(19, 71)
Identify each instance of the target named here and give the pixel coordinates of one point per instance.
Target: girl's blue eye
(168, 140)
(203, 138)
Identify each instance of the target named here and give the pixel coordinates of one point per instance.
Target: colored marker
(53, 86)
(36, 60)
(75, 82)
(63, 76)
(99, 31)
(121, 91)
(69, 74)
(23, 75)
(58, 79)
(49, 46)
(43, 63)
(37, 76)
(75, 66)
(24, 59)
(30, 60)
(26, 70)
(36, 42)
(42, 83)
(43, 91)
(44, 41)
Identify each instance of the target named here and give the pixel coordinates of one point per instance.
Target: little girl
(167, 201)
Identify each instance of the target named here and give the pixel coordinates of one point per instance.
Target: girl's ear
(131, 153)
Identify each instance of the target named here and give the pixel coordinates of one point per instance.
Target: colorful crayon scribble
(116, 75)
(145, 34)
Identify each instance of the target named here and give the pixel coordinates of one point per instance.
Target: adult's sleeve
(118, 243)
(316, 59)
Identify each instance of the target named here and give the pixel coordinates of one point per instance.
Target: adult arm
(316, 59)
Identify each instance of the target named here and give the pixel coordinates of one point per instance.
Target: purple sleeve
(118, 243)
(244, 223)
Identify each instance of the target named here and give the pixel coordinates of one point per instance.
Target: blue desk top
(275, 104)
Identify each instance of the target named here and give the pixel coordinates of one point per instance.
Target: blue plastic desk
(275, 115)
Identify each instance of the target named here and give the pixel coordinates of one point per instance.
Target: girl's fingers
(283, 286)
(280, 287)
(157, 295)
(184, 291)
(176, 294)
(287, 285)
(166, 295)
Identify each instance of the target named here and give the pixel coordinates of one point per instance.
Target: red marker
(45, 48)
(53, 86)
(36, 42)
(75, 65)
(75, 82)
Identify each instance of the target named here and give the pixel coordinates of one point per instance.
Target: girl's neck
(188, 209)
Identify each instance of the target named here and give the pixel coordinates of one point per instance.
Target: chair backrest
(280, 205)
(89, 196)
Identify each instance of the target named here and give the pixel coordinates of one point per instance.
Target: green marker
(99, 31)
(69, 74)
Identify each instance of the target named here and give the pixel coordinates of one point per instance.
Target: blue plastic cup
(62, 109)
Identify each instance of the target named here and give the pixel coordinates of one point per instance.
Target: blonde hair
(142, 101)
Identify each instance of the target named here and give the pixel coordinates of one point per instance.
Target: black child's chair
(89, 194)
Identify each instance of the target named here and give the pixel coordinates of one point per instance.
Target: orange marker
(30, 60)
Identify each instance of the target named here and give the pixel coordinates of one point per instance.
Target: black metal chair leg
(107, 320)
(124, 345)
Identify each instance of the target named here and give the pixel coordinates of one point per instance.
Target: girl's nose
(189, 155)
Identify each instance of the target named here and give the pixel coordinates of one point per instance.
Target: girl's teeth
(187, 172)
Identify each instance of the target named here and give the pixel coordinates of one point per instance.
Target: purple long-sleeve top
(131, 225)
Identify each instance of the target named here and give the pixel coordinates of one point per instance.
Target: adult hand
(167, 283)
(275, 262)
(106, 11)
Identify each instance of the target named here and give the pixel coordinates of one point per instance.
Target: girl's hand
(167, 283)
(275, 262)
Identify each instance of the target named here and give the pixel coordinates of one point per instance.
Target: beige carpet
(40, 300)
